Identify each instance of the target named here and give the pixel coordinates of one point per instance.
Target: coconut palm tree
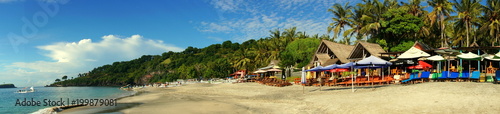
(342, 18)
(491, 20)
(441, 10)
(468, 15)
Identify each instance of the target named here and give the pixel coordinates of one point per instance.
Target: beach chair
(345, 82)
(424, 76)
(475, 76)
(333, 82)
(465, 75)
(296, 80)
(435, 76)
(388, 80)
(377, 80)
(407, 81)
(497, 77)
(444, 76)
(362, 81)
(453, 76)
(416, 77)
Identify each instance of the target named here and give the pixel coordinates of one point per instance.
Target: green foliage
(402, 46)
(214, 61)
(400, 23)
(299, 52)
(383, 44)
(64, 77)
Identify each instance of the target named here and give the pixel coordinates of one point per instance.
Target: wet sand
(431, 97)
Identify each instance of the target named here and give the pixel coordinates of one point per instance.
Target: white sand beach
(431, 97)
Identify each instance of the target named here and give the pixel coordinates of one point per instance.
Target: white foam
(48, 110)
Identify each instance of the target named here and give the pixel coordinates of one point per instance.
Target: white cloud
(71, 58)
(244, 20)
(227, 5)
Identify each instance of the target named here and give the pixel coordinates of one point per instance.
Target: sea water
(9, 99)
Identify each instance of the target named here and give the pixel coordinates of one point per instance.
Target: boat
(24, 90)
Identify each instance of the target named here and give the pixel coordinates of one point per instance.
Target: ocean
(11, 102)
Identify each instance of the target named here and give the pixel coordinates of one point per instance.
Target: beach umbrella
(260, 71)
(329, 67)
(413, 53)
(421, 65)
(303, 77)
(491, 57)
(469, 56)
(274, 70)
(436, 58)
(448, 53)
(315, 69)
(372, 60)
(346, 65)
(339, 70)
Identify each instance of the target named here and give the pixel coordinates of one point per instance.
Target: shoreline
(430, 97)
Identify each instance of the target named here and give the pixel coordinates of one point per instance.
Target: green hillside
(214, 61)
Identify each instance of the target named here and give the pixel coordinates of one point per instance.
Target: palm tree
(342, 18)
(414, 7)
(372, 16)
(491, 20)
(441, 10)
(468, 13)
(357, 23)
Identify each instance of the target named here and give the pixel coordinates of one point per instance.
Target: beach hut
(364, 49)
(329, 53)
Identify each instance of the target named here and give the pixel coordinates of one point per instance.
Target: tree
(441, 10)
(491, 21)
(468, 15)
(342, 17)
(65, 77)
(299, 52)
(57, 80)
(398, 25)
(402, 46)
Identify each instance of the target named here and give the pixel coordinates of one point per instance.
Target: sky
(42, 40)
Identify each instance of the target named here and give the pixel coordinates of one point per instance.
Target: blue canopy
(372, 60)
(361, 67)
(329, 67)
(315, 69)
(346, 65)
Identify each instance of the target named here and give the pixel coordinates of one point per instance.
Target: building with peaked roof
(365, 49)
(331, 53)
(422, 46)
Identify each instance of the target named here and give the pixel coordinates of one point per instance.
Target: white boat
(24, 90)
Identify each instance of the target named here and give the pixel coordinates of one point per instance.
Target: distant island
(7, 86)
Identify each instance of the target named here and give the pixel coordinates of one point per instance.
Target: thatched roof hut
(331, 53)
(365, 49)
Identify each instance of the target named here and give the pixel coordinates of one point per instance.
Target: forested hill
(215, 61)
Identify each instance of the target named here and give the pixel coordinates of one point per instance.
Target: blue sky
(41, 40)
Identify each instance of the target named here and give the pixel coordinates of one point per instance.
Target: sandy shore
(432, 97)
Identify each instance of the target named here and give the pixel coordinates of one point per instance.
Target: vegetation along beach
(225, 56)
